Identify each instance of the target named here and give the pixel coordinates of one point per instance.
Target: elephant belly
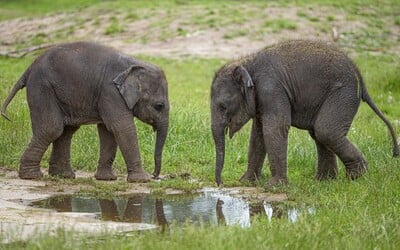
(77, 109)
(305, 108)
(303, 120)
(77, 119)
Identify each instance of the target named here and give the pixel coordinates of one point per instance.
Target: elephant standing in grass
(307, 84)
(86, 83)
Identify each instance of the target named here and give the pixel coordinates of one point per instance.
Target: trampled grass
(361, 214)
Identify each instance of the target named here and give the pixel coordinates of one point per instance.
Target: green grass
(362, 214)
(30, 8)
(114, 27)
(276, 25)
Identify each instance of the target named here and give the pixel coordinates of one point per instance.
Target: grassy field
(362, 214)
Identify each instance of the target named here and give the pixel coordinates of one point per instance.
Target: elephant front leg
(134, 209)
(59, 164)
(126, 137)
(276, 138)
(256, 153)
(108, 149)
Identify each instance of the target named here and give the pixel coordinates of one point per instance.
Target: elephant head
(145, 90)
(232, 106)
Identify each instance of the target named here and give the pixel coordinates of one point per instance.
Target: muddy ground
(20, 221)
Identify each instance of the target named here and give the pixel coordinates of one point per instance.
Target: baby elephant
(86, 83)
(306, 84)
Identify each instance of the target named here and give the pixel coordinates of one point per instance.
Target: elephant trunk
(218, 132)
(162, 131)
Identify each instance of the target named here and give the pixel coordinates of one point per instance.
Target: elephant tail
(21, 83)
(366, 98)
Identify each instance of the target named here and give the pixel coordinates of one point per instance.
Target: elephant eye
(159, 106)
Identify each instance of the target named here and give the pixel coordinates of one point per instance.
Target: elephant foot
(249, 176)
(138, 177)
(105, 174)
(155, 175)
(355, 171)
(61, 171)
(329, 174)
(30, 174)
(276, 181)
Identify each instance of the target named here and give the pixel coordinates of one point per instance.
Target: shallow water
(213, 207)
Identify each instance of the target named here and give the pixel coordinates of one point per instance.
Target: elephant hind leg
(30, 160)
(59, 164)
(327, 164)
(108, 149)
(29, 167)
(331, 127)
(47, 126)
(350, 155)
(256, 153)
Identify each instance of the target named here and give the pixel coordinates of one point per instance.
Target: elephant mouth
(154, 124)
(226, 131)
(230, 130)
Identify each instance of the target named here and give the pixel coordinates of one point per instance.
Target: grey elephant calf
(306, 84)
(86, 83)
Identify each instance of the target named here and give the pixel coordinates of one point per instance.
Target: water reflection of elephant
(133, 211)
(129, 210)
(61, 204)
(256, 210)
(220, 215)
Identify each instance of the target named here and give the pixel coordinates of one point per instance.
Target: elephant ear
(242, 77)
(127, 82)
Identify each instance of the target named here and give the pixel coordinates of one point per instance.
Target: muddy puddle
(210, 207)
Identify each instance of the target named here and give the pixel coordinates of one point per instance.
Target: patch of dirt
(12, 188)
(20, 221)
(189, 30)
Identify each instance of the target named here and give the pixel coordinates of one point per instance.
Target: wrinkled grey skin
(86, 83)
(305, 84)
